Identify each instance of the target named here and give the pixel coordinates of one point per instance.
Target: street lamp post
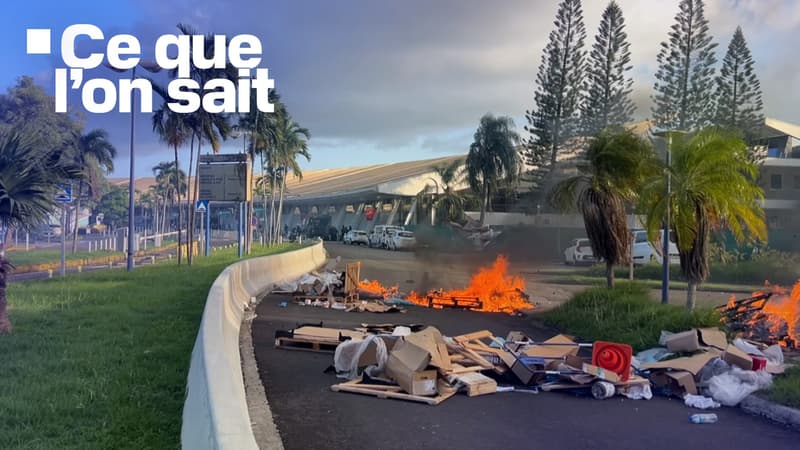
(153, 68)
(665, 233)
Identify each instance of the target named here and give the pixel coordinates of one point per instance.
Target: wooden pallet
(387, 391)
(308, 345)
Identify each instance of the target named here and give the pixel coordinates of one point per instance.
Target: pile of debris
(704, 369)
(418, 363)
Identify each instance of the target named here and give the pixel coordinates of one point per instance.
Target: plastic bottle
(703, 418)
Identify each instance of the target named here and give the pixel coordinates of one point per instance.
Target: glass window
(797, 181)
(776, 181)
(641, 237)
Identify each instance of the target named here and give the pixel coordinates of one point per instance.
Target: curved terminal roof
(367, 182)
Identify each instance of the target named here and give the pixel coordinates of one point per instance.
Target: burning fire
(775, 317)
(491, 289)
(375, 288)
(782, 314)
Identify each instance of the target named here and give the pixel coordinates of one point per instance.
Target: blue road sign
(201, 206)
(64, 193)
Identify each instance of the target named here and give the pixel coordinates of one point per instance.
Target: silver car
(402, 240)
(354, 237)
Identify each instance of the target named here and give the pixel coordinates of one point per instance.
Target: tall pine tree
(738, 93)
(685, 77)
(559, 80)
(606, 99)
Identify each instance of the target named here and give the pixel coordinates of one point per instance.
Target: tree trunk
(178, 194)
(609, 274)
(77, 214)
(272, 234)
(190, 202)
(690, 292)
(484, 198)
(264, 238)
(280, 207)
(251, 207)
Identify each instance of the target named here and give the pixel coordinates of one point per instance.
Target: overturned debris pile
(417, 363)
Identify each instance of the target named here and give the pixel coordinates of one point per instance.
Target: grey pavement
(310, 416)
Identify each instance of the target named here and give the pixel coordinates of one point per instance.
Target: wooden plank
(476, 383)
(305, 345)
(326, 334)
(477, 358)
(473, 336)
(346, 387)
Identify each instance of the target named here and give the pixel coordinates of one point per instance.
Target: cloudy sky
(381, 81)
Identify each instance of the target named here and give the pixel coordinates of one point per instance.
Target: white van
(378, 235)
(645, 252)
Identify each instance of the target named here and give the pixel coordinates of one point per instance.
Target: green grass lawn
(786, 388)
(748, 273)
(624, 314)
(22, 258)
(585, 278)
(99, 360)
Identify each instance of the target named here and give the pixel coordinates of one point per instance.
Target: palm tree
(27, 196)
(617, 165)
(171, 129)
(713, 187)
(94, 153)
(450, 203)
(493, 158)
(292, 142)
(171, 181)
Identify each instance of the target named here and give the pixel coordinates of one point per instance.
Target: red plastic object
(613, 357)
(759, 363)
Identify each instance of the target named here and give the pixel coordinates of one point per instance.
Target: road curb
(264, 429)
(784, 415)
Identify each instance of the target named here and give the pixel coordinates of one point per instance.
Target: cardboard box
(412, 357)
(696, 339)
(431, 341)
(736, 357)
(524, 369)
(415, 382)
(370, 357)
(677, 382)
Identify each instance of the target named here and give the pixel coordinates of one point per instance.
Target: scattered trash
(283, 304)
(732, 387)
(700, 402)
(703, 418)
(602, 390)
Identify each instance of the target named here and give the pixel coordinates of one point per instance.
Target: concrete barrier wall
(215, 412)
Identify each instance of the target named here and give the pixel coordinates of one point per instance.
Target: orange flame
(783, 310)
(375, 288)
(492, 286)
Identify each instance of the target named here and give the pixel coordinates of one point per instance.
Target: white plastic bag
(732, 387)
(638, 392)
(700, 402)
(347, 354)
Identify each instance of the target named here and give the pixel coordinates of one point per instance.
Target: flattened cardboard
(553, 351)
(601, 373)
(713, 337)
(691, 364)
(736, 357)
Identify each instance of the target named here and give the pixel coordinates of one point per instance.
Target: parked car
(356, 237)
(377, 238)
(645, 252)
(579, 252)
(402, 240)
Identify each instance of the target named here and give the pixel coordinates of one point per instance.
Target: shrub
(625, 314)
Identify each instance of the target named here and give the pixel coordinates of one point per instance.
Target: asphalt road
(310, 416)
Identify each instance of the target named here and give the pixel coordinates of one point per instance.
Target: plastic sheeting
(733, 386)
(348, 353)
